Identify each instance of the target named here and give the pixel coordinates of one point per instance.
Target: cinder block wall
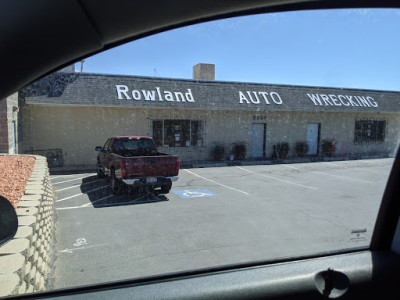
(26, 260)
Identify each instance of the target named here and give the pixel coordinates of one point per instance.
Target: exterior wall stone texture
(87, 89)
(75, 112)
(7, 117)
(79, 130)
(3, 127)
(26, 260)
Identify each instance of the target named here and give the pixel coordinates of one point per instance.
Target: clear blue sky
(337, 48)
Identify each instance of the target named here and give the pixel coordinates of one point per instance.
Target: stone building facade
(74, 112)
(9, 126)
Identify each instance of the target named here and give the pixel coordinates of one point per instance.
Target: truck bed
(159, 164)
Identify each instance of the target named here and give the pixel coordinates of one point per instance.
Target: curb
(26, 260)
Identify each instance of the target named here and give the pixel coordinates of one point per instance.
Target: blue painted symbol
(196, 193)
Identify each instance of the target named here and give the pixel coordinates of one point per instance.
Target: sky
(334, 48)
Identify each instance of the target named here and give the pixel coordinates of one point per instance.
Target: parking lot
(211, 217)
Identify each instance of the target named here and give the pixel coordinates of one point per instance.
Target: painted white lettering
(242, 97)
(136, 95)
(160, 98)
(189, 96)
(179, 97)
(335, 100)
(358, 101)
(122, 89)
(265, 95)
(341, 98)
(372, 102)
(251, 99)
(325, 98)
(276, 98)
(315, 99)
(351, 101)
(149, 95)
(257, 100)
(363, 101)
(168, 96)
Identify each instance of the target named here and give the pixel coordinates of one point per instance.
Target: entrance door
(312, 138)
(258, 140)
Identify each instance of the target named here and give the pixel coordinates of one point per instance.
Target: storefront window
(369, 131)
(177, 133)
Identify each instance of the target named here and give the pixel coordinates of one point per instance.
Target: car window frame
(382, 239)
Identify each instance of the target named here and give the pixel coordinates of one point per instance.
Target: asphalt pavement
(213, 217)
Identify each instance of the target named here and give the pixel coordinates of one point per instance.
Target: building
(9, 125)
(67, 114)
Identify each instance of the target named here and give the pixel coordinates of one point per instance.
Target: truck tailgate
(145, 166)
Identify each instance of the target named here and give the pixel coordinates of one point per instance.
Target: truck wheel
(100, 173)
(166, 187)
(116, 187)
(165, 190)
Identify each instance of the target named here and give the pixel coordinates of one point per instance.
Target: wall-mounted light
(15, 109)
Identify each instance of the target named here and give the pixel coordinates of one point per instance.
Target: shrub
(283, 149)
(218, 151)
(239, 149)
(328, 147)
(301, 148)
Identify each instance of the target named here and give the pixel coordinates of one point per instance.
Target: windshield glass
(275, 137)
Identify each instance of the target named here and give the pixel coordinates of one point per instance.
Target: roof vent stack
(204, 72)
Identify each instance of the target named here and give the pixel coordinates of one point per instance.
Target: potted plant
(301, 148)
(218, 151)
(328, 147)
(283, 149)
(239, 150)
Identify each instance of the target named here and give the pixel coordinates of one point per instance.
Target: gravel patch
(15, 170)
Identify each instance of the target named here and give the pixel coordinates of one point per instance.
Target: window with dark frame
(369, 131)
(177, 133)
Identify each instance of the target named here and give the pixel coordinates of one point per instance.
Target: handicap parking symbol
(195, 193)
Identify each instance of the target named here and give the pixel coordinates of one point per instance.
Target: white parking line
(288, 182)
(327, 174)
(95, 201)
(77, 195)
(74, 186)
(72, 179)
(70, 207)
(85, 205)
(228, 187)
(58, 176)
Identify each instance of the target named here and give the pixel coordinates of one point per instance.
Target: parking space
(213, 216)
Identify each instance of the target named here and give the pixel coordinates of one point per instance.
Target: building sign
(259, 97)
(259, 118)
(339, 100)
(267, 98)
(124, 93)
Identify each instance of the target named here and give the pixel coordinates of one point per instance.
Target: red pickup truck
(135, 161)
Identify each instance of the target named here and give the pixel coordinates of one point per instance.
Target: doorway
(313, 131)
(258, 140)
